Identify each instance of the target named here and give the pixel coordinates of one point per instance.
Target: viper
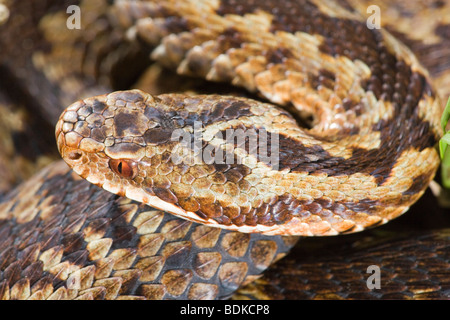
(335, 133)
(368, 156)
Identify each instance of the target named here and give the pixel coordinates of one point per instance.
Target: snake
(345, 119)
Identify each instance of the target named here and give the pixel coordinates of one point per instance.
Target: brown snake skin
(114, 248)
(366, 155)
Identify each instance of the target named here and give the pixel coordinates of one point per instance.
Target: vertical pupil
(124, 168)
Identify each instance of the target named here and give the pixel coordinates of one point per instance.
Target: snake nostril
(75, 155)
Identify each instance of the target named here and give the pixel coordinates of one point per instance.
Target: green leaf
(443, 150)
(443, 144)
(445, 115)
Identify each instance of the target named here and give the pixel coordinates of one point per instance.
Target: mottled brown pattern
(433, 56)
(297, 158)
(339, 271)
(345, 37)
(119, 249)
(142, 245)
(427, 45)
(391, 79)
(21, 150)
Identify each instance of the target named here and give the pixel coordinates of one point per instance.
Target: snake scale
(354, 115)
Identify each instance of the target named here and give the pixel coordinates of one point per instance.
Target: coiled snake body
(366, 155)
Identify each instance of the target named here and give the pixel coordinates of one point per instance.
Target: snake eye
(124, 168)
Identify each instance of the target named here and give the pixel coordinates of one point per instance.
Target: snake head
(122, 143)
